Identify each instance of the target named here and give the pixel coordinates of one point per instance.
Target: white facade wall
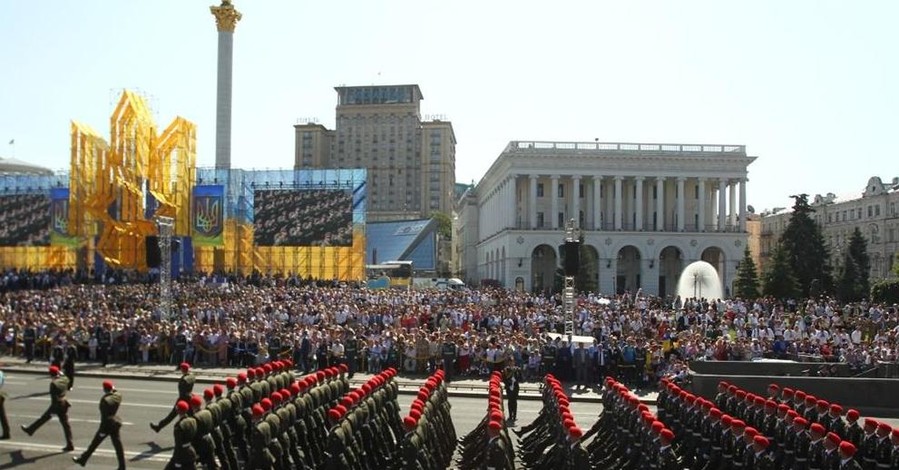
(647, 196)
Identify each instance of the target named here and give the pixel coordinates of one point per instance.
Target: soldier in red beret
(59, 406)
(185, 388)
(184, 456)
(110, 424)
(847, 456)
(667, 459)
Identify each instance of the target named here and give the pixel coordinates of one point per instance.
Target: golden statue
(226, 16)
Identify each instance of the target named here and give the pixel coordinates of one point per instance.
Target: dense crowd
(242, 321)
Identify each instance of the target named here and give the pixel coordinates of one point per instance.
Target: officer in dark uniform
(761, 455)
(350, 351)
(29, 336)
(180, 345)
(59, 406)
(883, 452)
(4, 422)
(274, 347)
(667, 459)
(68, 365)
(448, 354)
(185, 389)
(104, 342)
(853, 432)
(512, 380)
(184, 456)
(548, 357)
(869, 445)
(816, 447)
(110, 424)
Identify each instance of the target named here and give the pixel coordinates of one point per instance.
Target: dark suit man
(59, 406)
(110, 424)
(512, 378)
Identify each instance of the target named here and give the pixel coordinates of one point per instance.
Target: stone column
(732, 214)
(597, 202)
(226, 18)
(680, 203)
(532, 201)
(554, 194)
(638, 226)
(576, 200)
(743, 205)
(722, 203)
(618, 202)
(660, 203)
(700, 211)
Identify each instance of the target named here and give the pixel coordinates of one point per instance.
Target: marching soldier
(260, 437)
(203, 442)
(853, 432)
(185, 389)
(184, 456)
(59, 406)
(218, 438)
(110, 424)
(883, 452)
(816, 447)
(762, 458)
(847, 453)
(4, 422)
(497, 455)
(667, 459)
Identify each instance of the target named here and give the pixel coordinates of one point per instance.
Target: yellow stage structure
(112, 184)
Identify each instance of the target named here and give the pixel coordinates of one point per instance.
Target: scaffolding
(569, 302)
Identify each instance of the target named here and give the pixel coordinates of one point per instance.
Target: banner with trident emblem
(208, 215)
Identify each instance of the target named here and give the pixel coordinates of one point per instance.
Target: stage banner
(208, 215)
(59, 219)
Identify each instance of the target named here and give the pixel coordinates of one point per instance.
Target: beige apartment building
(411, 162)
(875, 213)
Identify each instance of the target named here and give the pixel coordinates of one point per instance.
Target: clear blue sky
(809, 86)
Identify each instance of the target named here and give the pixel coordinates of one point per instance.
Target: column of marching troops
(488, 445)
(785, 430)
(268, 419)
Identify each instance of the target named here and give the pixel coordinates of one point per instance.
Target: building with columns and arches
(643, 211)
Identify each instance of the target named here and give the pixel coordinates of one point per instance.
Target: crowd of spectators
(314, 217)
(237, 321)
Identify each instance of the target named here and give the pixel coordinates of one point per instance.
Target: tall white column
(639, 207)
(743, 205)
(597, 202)
(576, 200)
(732, 214)
(532, 201)
(554, 194)
(680, 203)
(618, 202)
(226, 18)
(700, 211)
(722, 203)
(660, 203)
(512, 202)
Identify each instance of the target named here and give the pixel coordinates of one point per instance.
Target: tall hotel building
(644, 211)
(411, 163)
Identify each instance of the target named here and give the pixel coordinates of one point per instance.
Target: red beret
(242, 378)
(751, 432)
(342, 368)
(54, 370)
(366, 388)
(295, 388)
(107, 385)
(657, 426)
(783, 408)
(495, 425)
(837, 409)
(231, 382)
(666, 435)
(738, 424)
(341, 409)
(320, 375)
(415, 414)
(823, 404)
(334, 414)
(266, 403)
(346, 401)
(895, 434)
(726, 420)
(258, 411)
(276, 397)
(251, 372)
(741, 394)
(182, 406)
(870, 423)
(409, 422)
(209, 394)
(884, 427)
(792, 414)
(799, 394)
(496, 415)
(185, 367)
(196, 401)
(817, 428)
(715, 412)
(267, 367)
(773, 386)
(732, 389)
(834, 438)
(568, 422)
(575, 432)
(810, 400)
(800, 421)
(762, 441)
(847, 448)
(852, 415)
(787, 392)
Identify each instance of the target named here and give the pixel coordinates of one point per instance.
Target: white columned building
(638, 231)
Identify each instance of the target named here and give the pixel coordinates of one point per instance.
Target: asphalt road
(146, 401)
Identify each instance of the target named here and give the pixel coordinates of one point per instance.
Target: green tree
(779, 281)
(804, 248)
(848, 283)
(746, 285)
(858, 252)
(444, 224)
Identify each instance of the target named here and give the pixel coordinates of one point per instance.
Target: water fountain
(700, 279)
